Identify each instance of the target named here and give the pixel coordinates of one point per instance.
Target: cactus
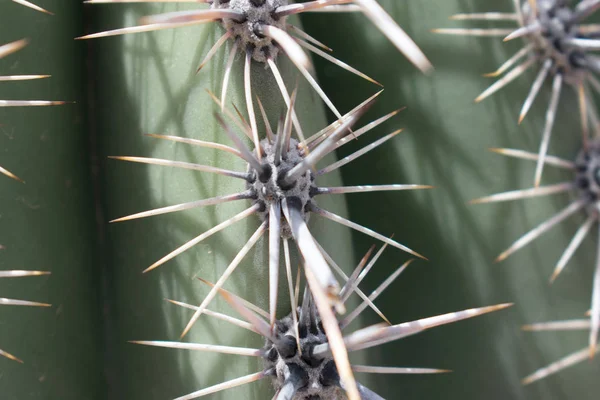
(141, 96)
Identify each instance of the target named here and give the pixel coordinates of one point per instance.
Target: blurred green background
(146, 83)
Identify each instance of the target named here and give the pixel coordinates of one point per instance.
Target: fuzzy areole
(257, 12)
(269, 187)
(315, 378)
(587, 176)
(555, 17)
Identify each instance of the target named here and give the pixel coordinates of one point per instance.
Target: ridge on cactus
(281, 185)
(305, 355)
(260, 30)
(556, 40)
(5, 50)
(585, 190)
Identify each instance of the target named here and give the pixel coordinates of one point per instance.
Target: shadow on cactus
(300, 356)
(556, 38)
(585, 191)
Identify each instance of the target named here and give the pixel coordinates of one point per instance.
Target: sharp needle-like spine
(9, 78)
(541, 229)
(506, 79)
(6, 172)
(13, 302)
(198, 16)
(336, 124)
(570, 325)
(244, 151)
(334, 336)
(306, 243)
(308, 37)
(511, 61)
(227, 73)
(183, 165)
(388, 334)
(394, 33)
(357, 290)
(222, 317)
(583, 114)
(245, 303)
(240, 351)
(396, 370)
(351, 283)
(488, 16)
(354, 314)
(362, 229)
(525, 193)
(32, 6)
(337, 62)
(187, 206)
(366, 128)
(261, 326)
(573, 245)
(10, 356)
(263, 113)
(324, 148)
(17, 273)
(225, 385)
(473, 32)
(355, 155)
(196, 142)
(250, 105)
(274, 247)
(249, 211)
(525, 155)
(558, 366)
(288, 44)
(314, 5)
(31, 103)
(293, 299)
(12, 47)
(369, 188)
(595, 315)
(214, 50)
(225, 275)
(535, 89)
(535, 27)
(550, 117)
(144, 1)
(139, 29)
(286, 96)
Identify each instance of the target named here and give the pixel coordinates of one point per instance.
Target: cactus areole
(246, 30)
(301, 372)
(558, 32)
(270, 186)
